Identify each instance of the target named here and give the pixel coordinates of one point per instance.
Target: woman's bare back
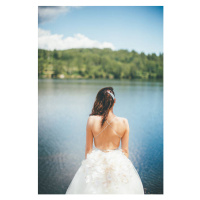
(109, 135)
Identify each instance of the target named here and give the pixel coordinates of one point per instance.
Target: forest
(99, 63)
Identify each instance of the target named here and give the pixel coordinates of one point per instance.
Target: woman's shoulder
(93, 118)
(123, 120)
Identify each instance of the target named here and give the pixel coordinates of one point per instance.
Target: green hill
(99, 63)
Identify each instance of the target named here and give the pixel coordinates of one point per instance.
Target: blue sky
(138, 28)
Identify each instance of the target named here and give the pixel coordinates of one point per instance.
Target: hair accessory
(112, 95)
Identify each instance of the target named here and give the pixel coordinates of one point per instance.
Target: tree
(100, 63)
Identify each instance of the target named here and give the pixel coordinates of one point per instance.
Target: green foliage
(99, 63)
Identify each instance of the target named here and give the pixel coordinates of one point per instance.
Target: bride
(106, 168)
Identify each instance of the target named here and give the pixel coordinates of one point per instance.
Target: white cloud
(48, 13)
(49, 41)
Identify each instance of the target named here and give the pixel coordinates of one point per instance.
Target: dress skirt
(106, 172)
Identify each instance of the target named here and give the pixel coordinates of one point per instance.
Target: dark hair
(103, 103)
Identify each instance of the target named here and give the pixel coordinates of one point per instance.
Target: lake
(63, 110)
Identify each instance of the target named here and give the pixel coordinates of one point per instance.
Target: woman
(106, 169)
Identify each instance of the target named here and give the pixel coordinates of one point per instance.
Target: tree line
(99, 63)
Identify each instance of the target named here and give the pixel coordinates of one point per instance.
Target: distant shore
(99, 64)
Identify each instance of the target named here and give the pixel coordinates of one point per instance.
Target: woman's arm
(125, 139)
(89, 137)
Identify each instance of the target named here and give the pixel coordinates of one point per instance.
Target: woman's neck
(110, 113)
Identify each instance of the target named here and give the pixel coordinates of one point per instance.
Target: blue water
(64, 107)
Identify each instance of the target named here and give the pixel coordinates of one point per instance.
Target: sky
(138, 28)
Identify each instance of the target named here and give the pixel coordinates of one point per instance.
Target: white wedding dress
(106, 172)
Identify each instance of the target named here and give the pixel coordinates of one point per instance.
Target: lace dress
(106, 172)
